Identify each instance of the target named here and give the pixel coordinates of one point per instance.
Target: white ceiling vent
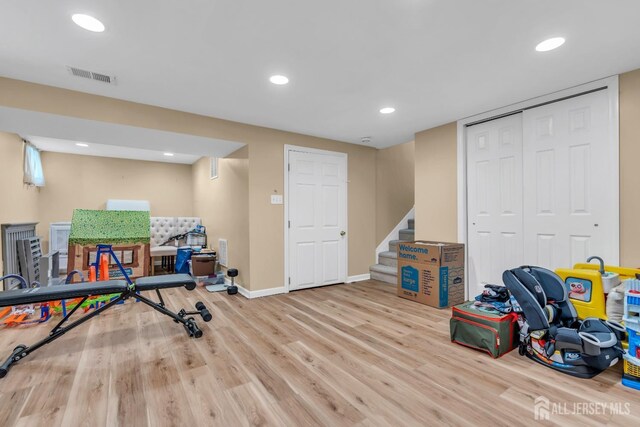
(86, 74)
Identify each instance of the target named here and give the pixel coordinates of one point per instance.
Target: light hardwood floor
(339, 355)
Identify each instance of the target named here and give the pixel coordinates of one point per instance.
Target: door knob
(342, 233)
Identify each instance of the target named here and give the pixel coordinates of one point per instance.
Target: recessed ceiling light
(387, 110)
(550, 44)
(88, 22)
(279, 80)
(168, 154)
(81, 144)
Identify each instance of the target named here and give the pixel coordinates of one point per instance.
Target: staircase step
(412, 224)
(388, 258)
(384, 273)
(407, 234)
(393, 244)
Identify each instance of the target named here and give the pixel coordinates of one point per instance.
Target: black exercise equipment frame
(189, 323)
(22, 351)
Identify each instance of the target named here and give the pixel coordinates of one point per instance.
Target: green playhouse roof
(90, 227)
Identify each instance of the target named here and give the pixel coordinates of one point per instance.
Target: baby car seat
(550, 332)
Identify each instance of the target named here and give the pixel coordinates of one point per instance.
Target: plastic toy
(631, 376)
(104, 265)
(589, 284)
(64, 306)
(632, 305)
(22, 314)
(101, 265)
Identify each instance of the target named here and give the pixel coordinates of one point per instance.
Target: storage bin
(203, 265)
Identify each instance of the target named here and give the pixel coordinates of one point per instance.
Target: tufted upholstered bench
(163, 228)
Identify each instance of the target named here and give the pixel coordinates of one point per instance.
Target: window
(214, 168)
(33, 174)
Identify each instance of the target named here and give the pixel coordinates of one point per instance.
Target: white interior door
(494, 200)
(317, 208)
(570, 181)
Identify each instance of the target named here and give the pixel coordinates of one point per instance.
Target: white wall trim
(393, 235)
(244, 292)
(263, 292)
(287, 149)
(612, 85)
(255, 294)
(462, 200)
(614, 139)
(358, 278)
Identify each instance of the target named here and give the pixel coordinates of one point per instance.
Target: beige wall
(436, 184)
(435, 173)
(629, 174)
(223, 205)
(18, 202)
(266, 171)
(395, 179)
(436, 177)
(266, 176)
(87, 182)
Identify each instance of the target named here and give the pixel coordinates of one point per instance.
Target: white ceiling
(435, 61)
(51, 132)
(101, 150)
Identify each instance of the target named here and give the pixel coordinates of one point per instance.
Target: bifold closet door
(494, 200)
(570, 175)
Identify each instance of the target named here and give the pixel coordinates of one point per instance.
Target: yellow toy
(588, 285)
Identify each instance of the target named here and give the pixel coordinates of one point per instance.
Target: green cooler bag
(484, 329)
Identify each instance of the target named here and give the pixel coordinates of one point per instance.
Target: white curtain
(33, 174)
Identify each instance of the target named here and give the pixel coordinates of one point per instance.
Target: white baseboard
(244, 292)
(358, 278)
(404, 223)
(267, 292)
(256, 294)
(281, 289)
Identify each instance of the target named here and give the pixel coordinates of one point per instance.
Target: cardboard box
(431, 273)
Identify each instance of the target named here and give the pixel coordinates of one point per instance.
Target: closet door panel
(494, 197)
(568, 170)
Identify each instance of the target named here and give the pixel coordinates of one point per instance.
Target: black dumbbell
(233, 273)
(206, 315)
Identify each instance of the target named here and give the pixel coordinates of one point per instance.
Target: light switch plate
(276, 199)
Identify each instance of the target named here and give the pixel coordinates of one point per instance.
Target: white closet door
(494, 197)
(570, 209)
